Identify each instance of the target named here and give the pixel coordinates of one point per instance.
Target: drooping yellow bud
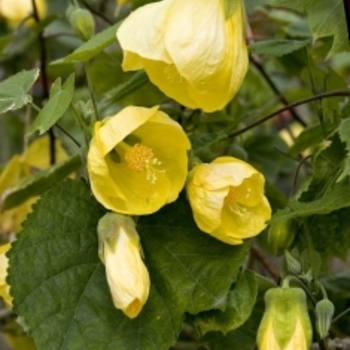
(120, 251)
(227, 199)
(285, 324)
(189, 49)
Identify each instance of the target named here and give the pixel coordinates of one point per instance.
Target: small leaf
(92, 47)
(239, 307)
(277, 48)
(326, 18)
(13, 91)
(243, 338)
(38, 183)
(63, 294)
(310, 137)
(60, 99)
(335, 199)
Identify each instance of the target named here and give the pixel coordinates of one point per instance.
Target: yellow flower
(14, 11)
(137, 160)
(188, 49)
(285, 324)
(120, 251)
(227, 199)
(36, 156)
(4, 287)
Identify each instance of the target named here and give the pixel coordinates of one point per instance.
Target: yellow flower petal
(15, 11)
(4, 287)
(120, 251)
(137, 161)
(227, 199)
(201, 65)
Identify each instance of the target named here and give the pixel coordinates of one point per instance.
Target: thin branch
(43, 58)
(268, 267)
(296, 175)
(292, 105)
(346, 311)
(68, 134)
(258, 65)
(98, 14)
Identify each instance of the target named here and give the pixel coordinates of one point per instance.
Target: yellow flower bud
(15, 11)
(120, 251)
(285, 324)
(137, 160)
(189, 50)
(4, 287)
(227, 199)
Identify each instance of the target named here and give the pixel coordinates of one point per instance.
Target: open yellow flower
(188, 49)
(137, 160)
(285, 324)
(227, 199)
(14, 11)
(4, 287)
(120, 251)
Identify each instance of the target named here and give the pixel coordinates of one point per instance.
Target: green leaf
(38, 183)
(344, 134)
(326, 19)
(327, 165)
(331, 233)
(135, 82)
(92, 47)
(201, 142)
(60, 99)
(239, 307)
(277, 48)
(334, 199)
(13, 91)
(63, 293)
(243, 338)
(310, 137)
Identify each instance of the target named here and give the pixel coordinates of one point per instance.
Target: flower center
(140, 158)
(237, 208)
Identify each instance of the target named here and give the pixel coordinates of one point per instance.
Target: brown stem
(43, 59)
(98, 14)
(288, 107)
(263, 261)
(258, 65)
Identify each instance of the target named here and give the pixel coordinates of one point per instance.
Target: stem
(347, 15)
(91, 90)
(288, 107)
(323, 290)
(98, 14)
(313, 88)
(304, 286)
(258, 65)
(296, 175)
(343, 313)
(43, 59)
(269, 268)
(68, 134)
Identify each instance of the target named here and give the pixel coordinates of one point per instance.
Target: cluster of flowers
(138, 158)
